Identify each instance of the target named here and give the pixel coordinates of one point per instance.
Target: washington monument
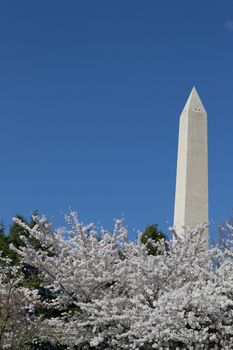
(191, 199)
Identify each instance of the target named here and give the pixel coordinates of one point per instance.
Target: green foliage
(151, 235)
(4, 245)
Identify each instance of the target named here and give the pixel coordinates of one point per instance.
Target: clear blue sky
(90, 98)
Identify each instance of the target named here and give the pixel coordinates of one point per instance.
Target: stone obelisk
(191, 200)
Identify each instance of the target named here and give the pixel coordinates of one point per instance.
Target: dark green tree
(152, 234)
(4, 245)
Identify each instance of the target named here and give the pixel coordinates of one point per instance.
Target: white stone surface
(191, 200)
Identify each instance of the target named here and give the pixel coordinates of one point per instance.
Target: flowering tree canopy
(18, 323)
(110, 293)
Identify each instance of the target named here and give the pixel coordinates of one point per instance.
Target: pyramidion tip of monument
(194, 102)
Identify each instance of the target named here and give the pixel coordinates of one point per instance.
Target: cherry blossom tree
(110, 293)
(18, 323)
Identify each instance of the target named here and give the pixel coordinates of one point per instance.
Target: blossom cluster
(110, 293)
(18, 322)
